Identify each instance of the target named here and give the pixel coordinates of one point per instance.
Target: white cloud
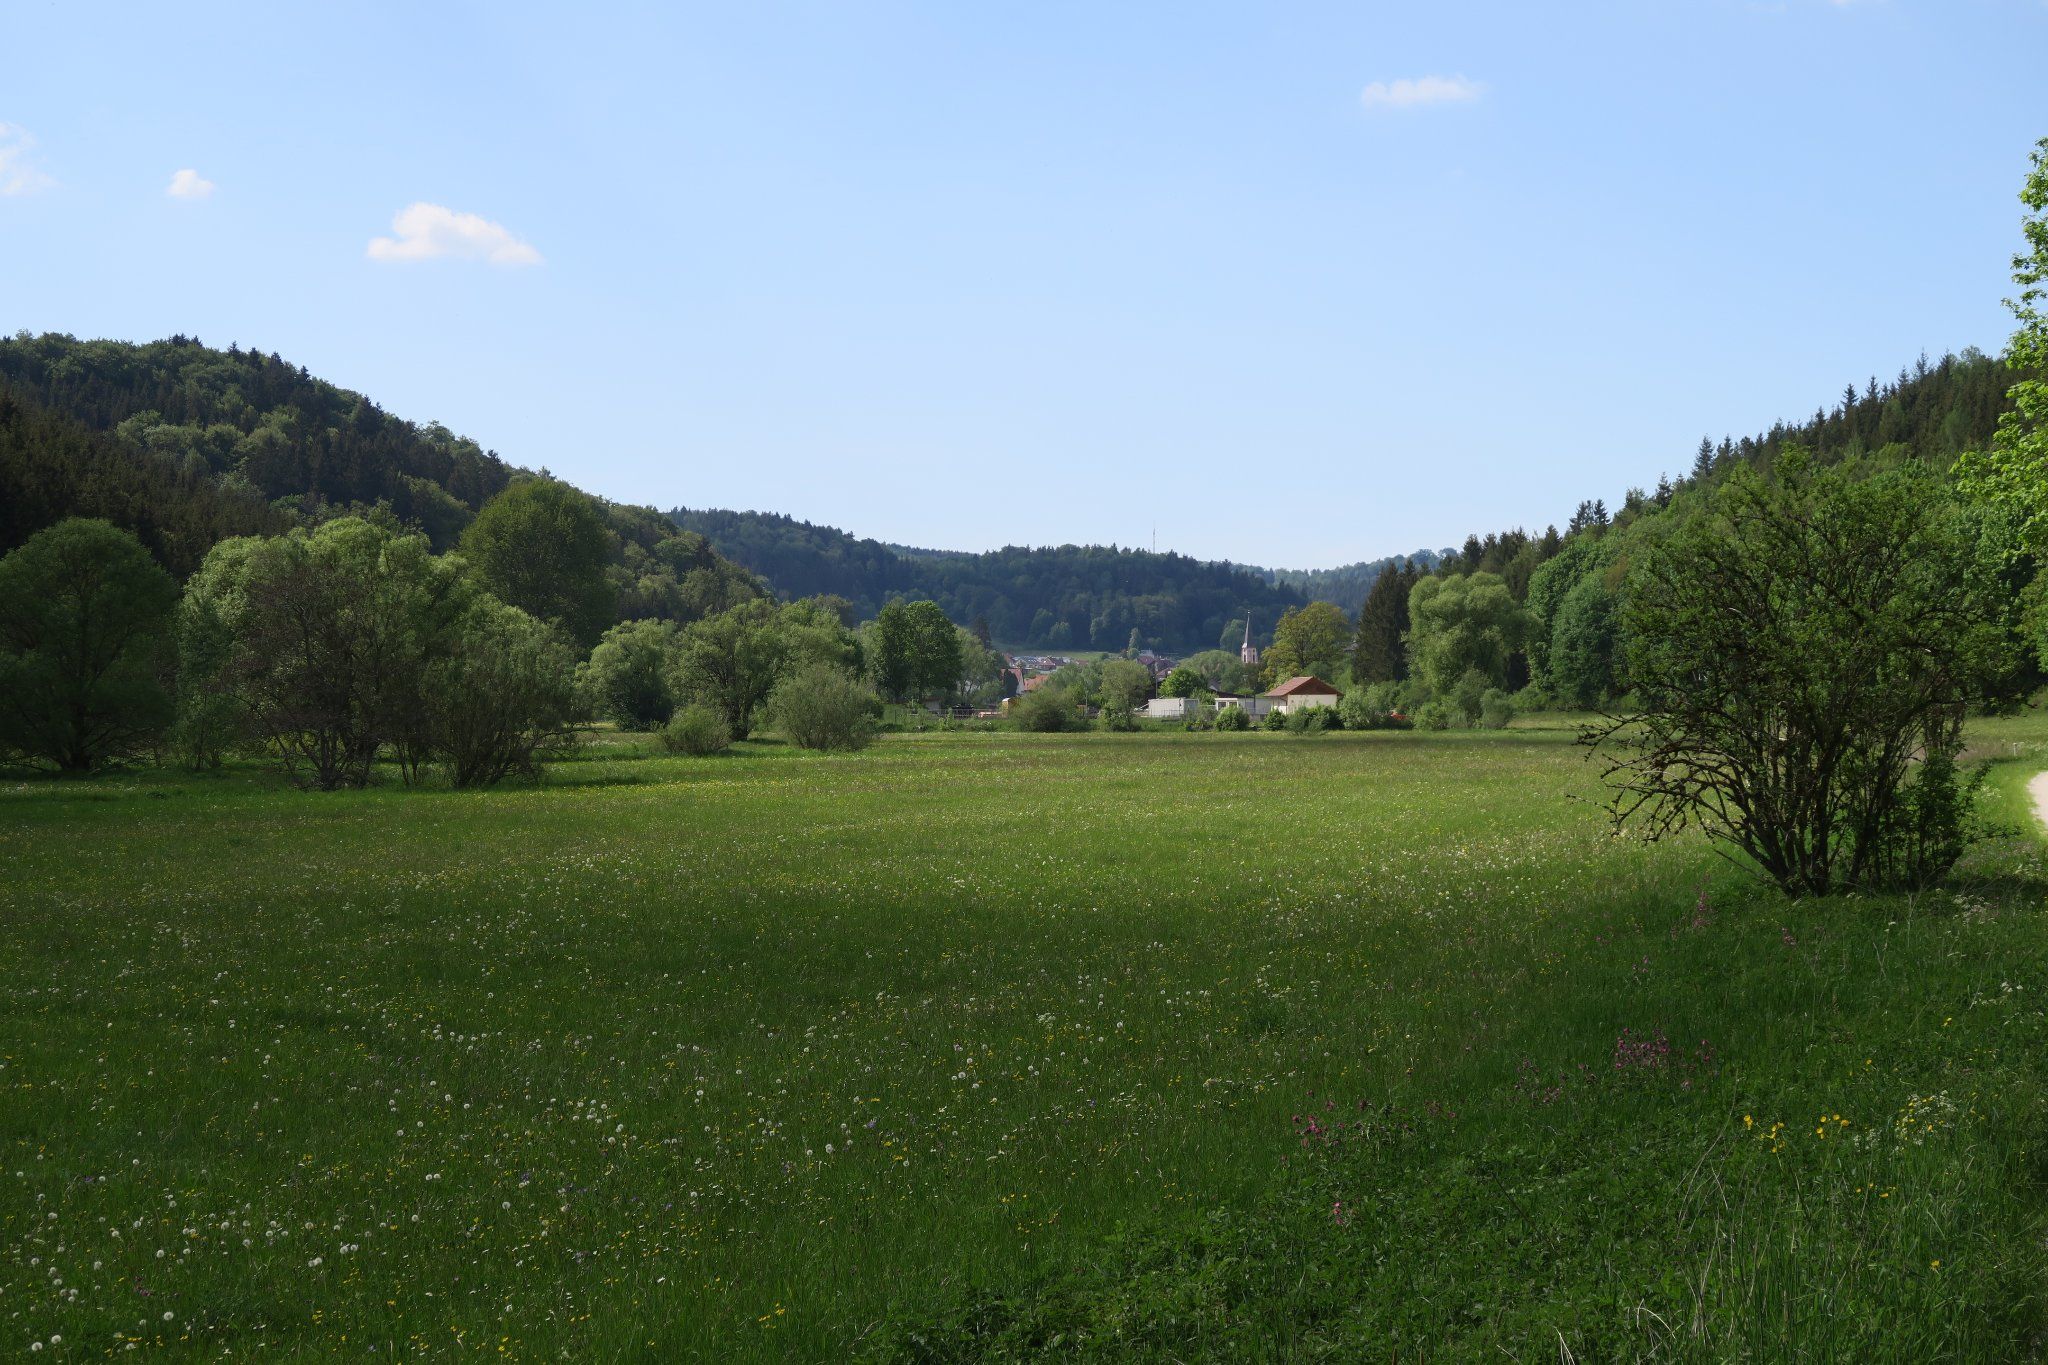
(427, 231)
(189, 184)
(1415, 92)
(18, 174)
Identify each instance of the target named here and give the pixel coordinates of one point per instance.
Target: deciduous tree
(1803, 652)
(85, 618)
(543, 547)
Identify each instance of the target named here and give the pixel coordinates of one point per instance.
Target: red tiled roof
(1310, 685)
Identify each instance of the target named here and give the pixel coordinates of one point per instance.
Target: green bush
(501, 698)
(1313, 720)
(1232, 718)
(696, 729)
(824, 707)
(625, 679)
(1274, 720)
(1120, 719)
(1496, 709)
(1433, 715)
(1048, 710)
(1358, 712)
(1390, 698)
(1468, 697)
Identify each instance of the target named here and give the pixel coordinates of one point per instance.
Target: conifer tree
(1379, 653)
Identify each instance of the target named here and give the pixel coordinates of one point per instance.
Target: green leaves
(84, 624)
(2013, 473)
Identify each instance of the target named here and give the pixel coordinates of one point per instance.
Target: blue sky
(1298, 283)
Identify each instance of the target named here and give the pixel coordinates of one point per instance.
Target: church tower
(1249, 654)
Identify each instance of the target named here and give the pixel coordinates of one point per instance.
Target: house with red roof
(1301, 693)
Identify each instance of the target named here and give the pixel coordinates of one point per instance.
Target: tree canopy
(1802, 651)
(85, 619)
(542, 546)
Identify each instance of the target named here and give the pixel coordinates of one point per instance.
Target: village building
(1255, 706)
(1302, 693)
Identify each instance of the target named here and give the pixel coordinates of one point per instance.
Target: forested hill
(185, 444)
(1564, 591)
(1348, 584)
(1054, 597)
(254, 422)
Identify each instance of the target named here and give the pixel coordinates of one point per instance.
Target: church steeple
(1248, 655)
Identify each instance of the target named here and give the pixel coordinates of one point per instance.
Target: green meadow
(993, 1045)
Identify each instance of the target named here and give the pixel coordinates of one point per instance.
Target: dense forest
(186, 445)
(1549, 605)
(1347, 585)
(1053, 597)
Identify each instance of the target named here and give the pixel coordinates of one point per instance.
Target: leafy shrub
(625, 679)
(500, 698)
(1048, 710)
(1232, 718)
(824, 707)
(1932, 822)
(1274, 720)
(1496, 709)
(1467, 699)
(1359, 713)
(1390, 698)
(1786, 722)
(1313, 720)
(696, 730)
(1433, 715)
(1119, 718)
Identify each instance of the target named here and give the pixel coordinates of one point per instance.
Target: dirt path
(2038, 789)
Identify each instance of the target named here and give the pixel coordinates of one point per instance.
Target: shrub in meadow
(1814, 727)
(696, 730)
(1433, 715)
(1313, 720)
(1468, 698)
(824, 707)
(1119, 719)
(1496, 709)
(625, 679)
(1233, 719)
(1275, 721)
(1048, 710)
(501, 697)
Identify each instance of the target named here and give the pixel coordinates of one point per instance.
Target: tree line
(1057, 598)
(332, 647)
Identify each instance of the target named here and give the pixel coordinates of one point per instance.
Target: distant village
(1025, 673)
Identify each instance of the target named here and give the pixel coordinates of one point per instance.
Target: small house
(1302, 693)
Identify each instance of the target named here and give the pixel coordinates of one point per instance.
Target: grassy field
(1147, 1046)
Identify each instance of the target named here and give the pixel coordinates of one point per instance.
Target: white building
(1301, 693)
(1171, 708)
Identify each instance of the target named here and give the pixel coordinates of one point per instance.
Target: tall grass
(990, 1043)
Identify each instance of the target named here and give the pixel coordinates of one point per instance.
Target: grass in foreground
(978, 1045)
